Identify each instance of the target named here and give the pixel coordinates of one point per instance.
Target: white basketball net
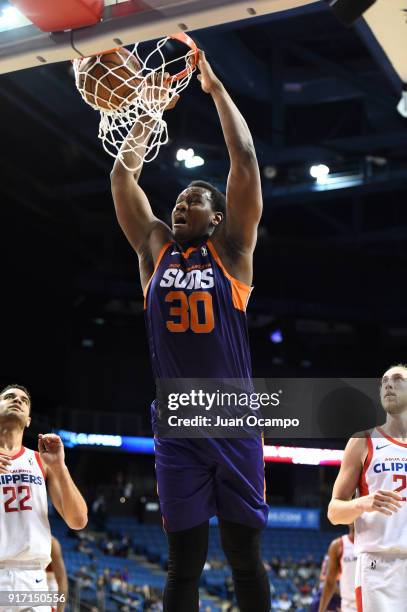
(138, 100)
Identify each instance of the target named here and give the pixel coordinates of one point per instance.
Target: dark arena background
(329, 297)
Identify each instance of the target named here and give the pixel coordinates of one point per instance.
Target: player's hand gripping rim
(385, 502)
(208, 79)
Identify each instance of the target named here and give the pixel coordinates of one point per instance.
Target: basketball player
(376, 465)
(335, 601)
(57, 579)
(196, 277)
(342, 564)
(25, 477)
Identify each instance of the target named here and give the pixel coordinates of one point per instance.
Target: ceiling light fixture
(319, 172)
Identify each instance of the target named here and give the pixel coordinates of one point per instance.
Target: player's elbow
(118, 174)
(245, 154)
(78, 522)
(244, 165)
(332, 515)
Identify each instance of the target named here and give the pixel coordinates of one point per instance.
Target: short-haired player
(27, 477)
(374, 467)
(196, 277)
(334, 603)
(341, 567)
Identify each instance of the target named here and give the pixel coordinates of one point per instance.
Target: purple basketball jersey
(196, 325)
(195, 316)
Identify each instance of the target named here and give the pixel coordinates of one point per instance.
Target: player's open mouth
(179, 220)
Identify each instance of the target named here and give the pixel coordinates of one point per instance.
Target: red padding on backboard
(56, 15)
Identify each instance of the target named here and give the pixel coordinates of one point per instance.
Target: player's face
(393, 390)
(15, 406)
(192, 214)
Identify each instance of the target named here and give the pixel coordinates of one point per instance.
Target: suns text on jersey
(192, 279)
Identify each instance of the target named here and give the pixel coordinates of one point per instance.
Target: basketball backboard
(125, 22)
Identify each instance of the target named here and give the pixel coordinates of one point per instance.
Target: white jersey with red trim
(386, 469)
(25, 535)
(348, 569)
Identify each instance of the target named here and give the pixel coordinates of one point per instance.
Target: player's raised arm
(145, 232)
(344, 510)
(63, 492)
(243, 194)
(334, 554)
(133, 210)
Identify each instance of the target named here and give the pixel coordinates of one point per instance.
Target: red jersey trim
(157, 263)
(17, 455)
(38, 458)
(358, 596)
(240, 291)
(363, 487)
(385, 435)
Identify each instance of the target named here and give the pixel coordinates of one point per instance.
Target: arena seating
(149, 543)
(282, 543)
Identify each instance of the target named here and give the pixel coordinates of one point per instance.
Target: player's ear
(217, 218)
(28, 422)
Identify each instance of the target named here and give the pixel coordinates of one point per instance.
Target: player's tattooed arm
(344, 510)
(64, 494)
(334, 553)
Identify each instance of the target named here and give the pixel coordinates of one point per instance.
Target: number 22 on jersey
(16, 498)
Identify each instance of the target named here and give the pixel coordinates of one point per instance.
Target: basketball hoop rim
(180, 36)
(187, 40)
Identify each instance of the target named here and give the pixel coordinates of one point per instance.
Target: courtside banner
(288, 518)
(274, 407)
(294, 518)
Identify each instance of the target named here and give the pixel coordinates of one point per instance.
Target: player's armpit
(151, 251)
